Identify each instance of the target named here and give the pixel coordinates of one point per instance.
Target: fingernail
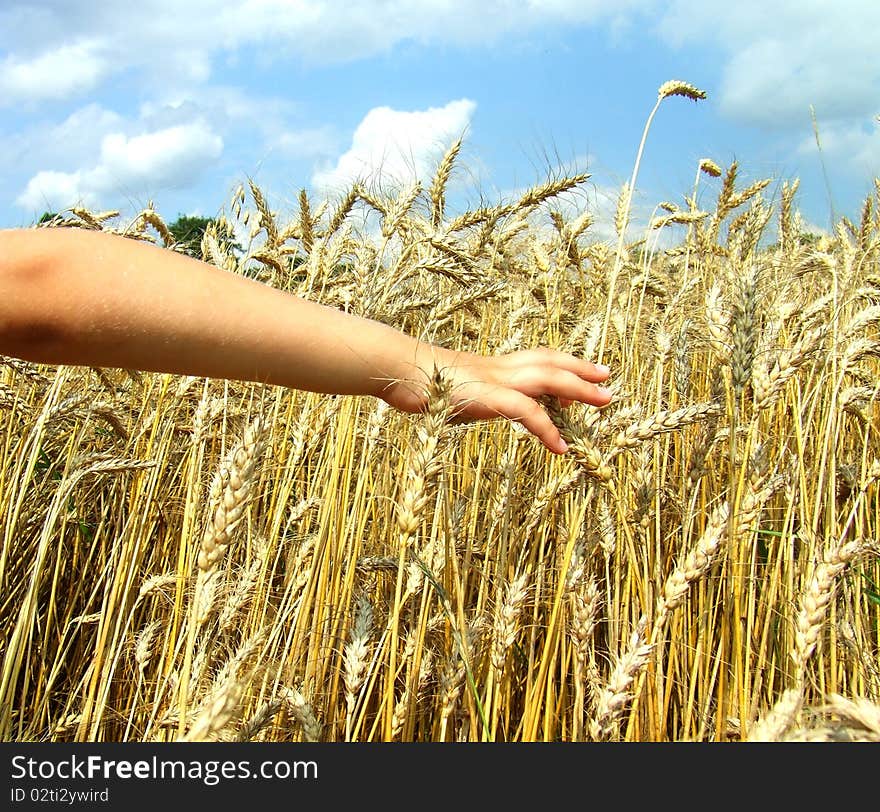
(563, 446)
(603, 369)
(603, 390)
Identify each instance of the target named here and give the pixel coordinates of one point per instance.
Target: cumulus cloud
(782, 57)
(55, 190)
(70, 142)
(55, 74)
(778, 58)
(63, 50)
(171, 157)
(401, 146)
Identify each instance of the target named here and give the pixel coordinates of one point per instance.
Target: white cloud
(63, 50)
(56, 190)
(778, 58)
(55, 74)
(170, 157)
(781, 57)
(73, 141)
(398, 145)
(173, 156)
(98, 154)
(219, 102)
(774, 61)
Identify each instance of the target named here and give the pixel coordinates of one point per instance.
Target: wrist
(411, 364)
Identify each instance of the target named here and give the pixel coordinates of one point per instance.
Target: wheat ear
(231, 488)
(615, 696)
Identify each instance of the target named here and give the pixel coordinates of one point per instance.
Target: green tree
(188, 232)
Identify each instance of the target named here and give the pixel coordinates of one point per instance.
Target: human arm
(70, 296)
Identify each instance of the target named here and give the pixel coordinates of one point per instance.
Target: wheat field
(192, 559)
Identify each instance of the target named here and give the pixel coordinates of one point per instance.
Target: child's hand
(76, 297)
(485, 387)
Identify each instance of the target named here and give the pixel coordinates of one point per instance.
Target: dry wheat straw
(343, 209)
(216, 714)
(585, 602)
(676, 87)
(607, 530)
(265, 218)
(411, 698)
(441, 179)
(662, 422)
(451, 682)
(697, 528)
(305, 227)
(398, 209)
(859, 713)
(223, 699)
(237, 600)
(768, 383)
(709, 166)
(563, 483)
(682, 361)
(744, 331)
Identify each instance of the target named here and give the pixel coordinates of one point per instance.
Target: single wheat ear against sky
(111, 106)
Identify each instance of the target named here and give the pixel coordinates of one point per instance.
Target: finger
(525, 411)
(544, 357)
(560, 383)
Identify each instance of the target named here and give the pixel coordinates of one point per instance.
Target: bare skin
(75, 297)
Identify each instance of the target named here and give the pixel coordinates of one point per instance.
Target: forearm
(83, 298)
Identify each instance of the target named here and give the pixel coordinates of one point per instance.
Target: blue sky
(113, 105)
